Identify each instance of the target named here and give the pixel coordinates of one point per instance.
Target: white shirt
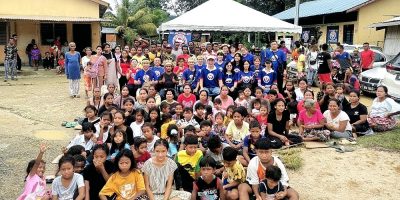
(105, 133)
(137, 129)
(380, 109)
(299, 94)
(254, 164)
(80, 140)
(335, 121)
(150, 145)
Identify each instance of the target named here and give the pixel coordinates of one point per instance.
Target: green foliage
(387, 141)
(291, 158)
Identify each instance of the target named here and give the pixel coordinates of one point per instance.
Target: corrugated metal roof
(320, 7)
(51, 18)
(390, 22)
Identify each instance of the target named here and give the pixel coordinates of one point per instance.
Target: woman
(237, 62)
(225, 98)
(311, 60)
(381, 118)
(141, 101)
(112, 65)
(99, 63)
(170, 98)
(117, 53)
(308, 94)
(358, 114)
(72, 70)
(187, 99)
(203, 99)
(153, 93)
(311, 122)
(337, 121)
(124, 64)
(351, 81)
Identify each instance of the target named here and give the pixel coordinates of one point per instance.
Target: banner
(305, 36)
(332, 36)
(181, 37)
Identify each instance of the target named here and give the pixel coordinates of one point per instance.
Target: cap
(210, 57)
(167, 62)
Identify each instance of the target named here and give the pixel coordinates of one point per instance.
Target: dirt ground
(33, 108)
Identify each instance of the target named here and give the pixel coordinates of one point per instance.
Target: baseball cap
(210, 57)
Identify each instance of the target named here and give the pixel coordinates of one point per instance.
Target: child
(127, 182)
(328, 94)
(208, 186)
(86, 138)
(155, 120)
(136, 126)
(103, 127)
(147, 130)
(204, 135)
(188, 130)
(217, 107)
(178, 112)
(130, 113)
(219, 127)
(173, 140)
(249, 141)
(108, 99)
(91, 115)
(80, 162)
(48, 61)
(119, 119)
(167, 120)
(339, 95)
(255, 105)
(35, 56)
(61, 64)
(229, 114)
(241, 100)
(35, 182)
(301, 64)
(262, 118)
(187, 119)
(335, 76)
(301, 89)
(215, 148)
(140, 151)
(188, 164)
(271, 187)
(65, 186)
(237, 129)
(234, 173)
(97, 172)
(200, 115)
(118, 144)
(124, 95)
(164, 107)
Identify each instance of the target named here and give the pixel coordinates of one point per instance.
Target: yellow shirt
(299, 63)
(124, 187)
(151, 56)
(164, 129)
(236, 134)
(236, 173)
(139, 59)
(191, 163)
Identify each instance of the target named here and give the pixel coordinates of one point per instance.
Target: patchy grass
(384, 141)
(291, 158)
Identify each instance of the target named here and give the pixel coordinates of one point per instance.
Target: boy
(147, 130)
(164, 107)
(167, 120)
(271, 187)
(249, 141)
(200, 115)
(187, 119)
(217, 107)
(188, 164)
(80, 162)
(256, 172)
(215, 148)
(86, 138)
(208, 186)
(234, 173)
(204, 135)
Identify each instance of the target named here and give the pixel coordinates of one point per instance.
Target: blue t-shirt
(249, 57)
(250, 144)
(256, 71)
(230, 79)
(211, 78)
(228, 58)
(220, 66)
(344, 60)
(191, 76)
(247, 77)
(159, 70)
(145, 76)
(277, 57)
(267, 78)
(200, 67)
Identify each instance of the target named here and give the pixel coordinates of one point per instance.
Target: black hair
(218, 100)
(115, 146)
(355, 92)
(102, 147)
(209, 110)
(163, 105)
(79, 158)
(127, 153)
(173, 137)
(161, 142)
(187, 109)
(279, 100)
(120, 112)
(302, 79)
(106, 113)
(241, 110)
(385, 89)
(203, 91)
(75, 150)
(336, 101)
(128, 100)
(169, 90)
(140, 111)
(240, 91)
(137, 141)
(273, 92)
(263, 143)
(312, 92)
(214, 142)
(189, 128)
(229, 153)
(232, 70)
(87, 126)
(205, 123)
(191, 139)
(165, 117)
(324, 47)
(208, 161)
(66, 159)
(106, 95)
(199, 106)
(254, 124)
(273, 172)
(91, 107)
(30, 166)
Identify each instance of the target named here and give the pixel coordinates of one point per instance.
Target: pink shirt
(300, 106)
(34, 187)
(313, 120)
(187, 101)
(226, 102)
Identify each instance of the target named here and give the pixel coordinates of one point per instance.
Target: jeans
(30, 59)
(9, 65)
(213, 92)
(311, 76)
(345, 134)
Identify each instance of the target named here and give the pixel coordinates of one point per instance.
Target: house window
(3, 33)
(49, 32)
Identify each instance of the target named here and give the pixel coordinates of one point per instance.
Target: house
(45, 20)
(344, 21)
(392, 35)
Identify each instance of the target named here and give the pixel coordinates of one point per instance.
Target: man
(10, 60)
(367, 57)
(209, 51)
(191, 47)
(153, 52)
(19, 62)
(139, 56)
(167, 54)
(278, 59)
(177, 51)
(324, 65)
(344, 60)
(247, 56)
(211, 78)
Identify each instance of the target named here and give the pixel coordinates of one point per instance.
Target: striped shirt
(159, 175)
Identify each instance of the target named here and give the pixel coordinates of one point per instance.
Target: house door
(82, 35)
(348, 34)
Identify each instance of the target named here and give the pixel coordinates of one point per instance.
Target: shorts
(325, 78)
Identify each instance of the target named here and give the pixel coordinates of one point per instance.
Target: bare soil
(33, 108)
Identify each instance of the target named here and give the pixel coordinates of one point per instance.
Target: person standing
(311, 60)
(10, 60)
(28, 50)
(324, 65)
(367, 57)
(72, 70)
(278, 59)
(19, 62)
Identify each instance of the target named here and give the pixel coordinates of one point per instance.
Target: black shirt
(95, 179)
(322, 59)
(168, 80)
(198, 119)
(354, 113)
(279, 127)
(207, 190)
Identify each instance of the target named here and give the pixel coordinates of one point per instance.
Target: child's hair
(208, 161)
(121, 113)
(232, 107)
(323, 86)
(273, 92)
(111, 108)
(191, 139)
(172, 132)
(208, 109)
(254, 103)
(302, 80)
(229, 153)
(221, 114)
(273, 172)
(263, 143)
(164, 105)
(107, 94)
(66, 159)
(339, 85)
(254, 124)
(106, 113)
(102, 147)
(310, 91)
(137, 141)
(240, 92)
(30, 166)
(127, 153)
(187, 109)
(161, 142)
(140, 111)
(115, 146)
(289, 81)
(75, 150)
(128, 100)
(199, 106)
(79, 158)
(217, 101)
(214, 142)
(92, 108)
(189, 128)
(165, 117)
(87, 126)
(205, 123)
(148, 124)
(241, 110)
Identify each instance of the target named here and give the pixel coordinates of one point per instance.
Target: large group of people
(170, 121)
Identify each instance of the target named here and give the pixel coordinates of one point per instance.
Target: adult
(343, 58)
(124, 65)
(311, 60)
(324, 65)
(337, 121)
(211, 78)
(383, 109)
(310, 121)
(28, 49)
(203, 99)
(167, 54)
(117, 53)
(185, 55)
(358, 114)
(19, 62)
(177, 50)
(112, 65)
(367, 57)
(278, 59)
(145, 77)
(139, 56)
(141, 100)
(247, 56)
(351, 81)
(308, 94)
(10, 60)
(187, 99)
(191, 75)
(282, 46)
(157, 68)
(99, 63)
(170, 98)
(153, 93)
(226, 100)
(73, 70)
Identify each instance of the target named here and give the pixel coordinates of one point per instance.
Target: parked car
(392, 78)
(371, 79)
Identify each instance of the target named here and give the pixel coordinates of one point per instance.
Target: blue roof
(320, 7)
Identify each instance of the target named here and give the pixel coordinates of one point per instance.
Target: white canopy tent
(227, 16)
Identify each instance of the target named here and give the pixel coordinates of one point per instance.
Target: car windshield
(396, 60)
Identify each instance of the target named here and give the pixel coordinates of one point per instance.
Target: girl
(65, 186)
(118, 144)
(111, 76)
(337, 121)
(246, 79)
(96, 100)
(329, 94)
(111, 88)
(35, 56)
(148, 134)
(72, 70)
(237, 62)
(241, 100)
(108, 99)
(262, 118)
(219, 127)
(155, 120)
(129, 111)
(61, 64)
(226, 100)
(35, 183)
(127, 182)
(97, 173)
(267, 77)
(229, 114)
(124, 95)
(88, 72)
(159, 174)
(187, 99)
(351, 81)
(203, 99)
(103, 127)
(247, 94)
(170, 98)
(150, 103)
(91, 115)
(220, 63)
(130, 76)
(339, 95)
(256, 68)
(136, 126)
(308, 94)
(178, 112)
(255, 107)
(290, 99)
(119, 119)
(230, 78)
(173, 140)
(300, 91)
(237, 129)
(141, 101)
(153, 93)
(140, 151)
(124, 65)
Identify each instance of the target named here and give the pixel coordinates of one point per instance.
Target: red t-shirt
(142, 159)
(366, 58)
(187, 101)
(184, 56)
(125, 66)
(131, 79)
(178, 70)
